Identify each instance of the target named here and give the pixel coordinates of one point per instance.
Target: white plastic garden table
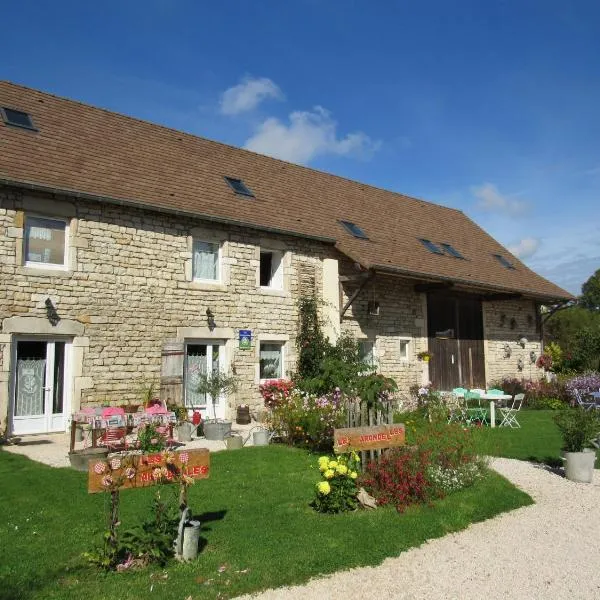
(493, 398)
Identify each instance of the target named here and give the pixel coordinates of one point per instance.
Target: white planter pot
(579, 466)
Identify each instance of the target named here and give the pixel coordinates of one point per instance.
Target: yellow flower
(342, 469)
(323, 487)
(329, 473)
(353, 475)
(332, 464)
(323, 463)
(355, 456)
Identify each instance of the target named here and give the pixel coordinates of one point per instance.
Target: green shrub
(150, 440)
(307, 420)
(544, 403)
(579, 428)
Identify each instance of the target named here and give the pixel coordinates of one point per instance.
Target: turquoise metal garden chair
(475, 414)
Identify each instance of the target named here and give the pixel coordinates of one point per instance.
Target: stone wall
(505, 323)
(402, 316)
(129, 285)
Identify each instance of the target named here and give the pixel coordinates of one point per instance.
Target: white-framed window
(271, 269)
(270, 360)
(206, 259)
(366, 352)
(404, 349)
(45, 242)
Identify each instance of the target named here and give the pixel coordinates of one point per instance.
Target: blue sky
(491, 107)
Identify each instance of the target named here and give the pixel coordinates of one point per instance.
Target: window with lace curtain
(205, 261)
(45, 242)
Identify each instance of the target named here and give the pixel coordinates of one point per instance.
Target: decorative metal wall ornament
(507, 351)
(210, 319)
(520, 364)
(532, 356)
(51, 313)
(522, 342)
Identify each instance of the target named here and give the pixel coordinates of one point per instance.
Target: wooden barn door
(470, 335)
(456, 341)
(443, 344)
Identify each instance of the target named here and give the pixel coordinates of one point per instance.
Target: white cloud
(248, 94)
(490, 199)
(525, 248)
(307, 135)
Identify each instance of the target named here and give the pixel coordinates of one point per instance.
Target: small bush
(276, 391)
(307, 420)
(149, 439)
(586, 383)
(579, 428)
(336, 492)
(443, 461)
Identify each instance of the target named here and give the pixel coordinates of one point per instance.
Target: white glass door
(39, 399)
(202, 357)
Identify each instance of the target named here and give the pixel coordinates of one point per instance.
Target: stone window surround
(271, 338)
(409, 345)
(269, 245)
(204, 234)
(67, 329)
(53, 209)
(64, 266)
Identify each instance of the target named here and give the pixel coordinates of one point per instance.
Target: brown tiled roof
(90, 151)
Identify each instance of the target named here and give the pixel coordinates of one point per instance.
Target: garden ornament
(522, 342)
(520, 364)
(365, 499)
(507, 351)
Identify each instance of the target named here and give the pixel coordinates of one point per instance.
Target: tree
(590, 292)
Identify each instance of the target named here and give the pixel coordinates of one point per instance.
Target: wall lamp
(210, 319)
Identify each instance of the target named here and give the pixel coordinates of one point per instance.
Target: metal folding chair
(457, 409)
(476, 414)
(509, 413)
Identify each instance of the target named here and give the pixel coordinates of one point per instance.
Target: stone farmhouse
(132, 253)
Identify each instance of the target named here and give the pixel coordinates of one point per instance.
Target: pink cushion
(112, 411)
(156, 410)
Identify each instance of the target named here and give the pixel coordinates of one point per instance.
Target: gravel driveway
(550, 550)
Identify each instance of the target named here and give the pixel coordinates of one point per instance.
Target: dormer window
(451, 250)
(16, 118)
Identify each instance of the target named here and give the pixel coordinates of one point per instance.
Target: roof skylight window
(239, 187)
(504, 262)
(451, 250)
(17, 118)
(354, 230)
(431, 246)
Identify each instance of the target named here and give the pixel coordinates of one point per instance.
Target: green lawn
(537, 439)
(256, 521)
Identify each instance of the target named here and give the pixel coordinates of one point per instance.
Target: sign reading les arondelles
(141, 470)
(368, 438)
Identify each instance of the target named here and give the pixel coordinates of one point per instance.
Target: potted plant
(184, 426)
(214, 385)
(580, 430)
(425, 356)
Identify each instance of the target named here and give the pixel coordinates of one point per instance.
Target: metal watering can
(260, 437)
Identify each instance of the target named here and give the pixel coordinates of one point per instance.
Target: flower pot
(79, 458)
(579, 466)
(78, 434)
(426, 359)
(217, 430)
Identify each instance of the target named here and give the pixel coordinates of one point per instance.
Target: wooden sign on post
(368, 438)
(142, 470)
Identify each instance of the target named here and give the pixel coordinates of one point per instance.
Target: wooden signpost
(368, 438)
(142, 470)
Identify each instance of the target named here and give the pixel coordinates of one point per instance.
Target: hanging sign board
(245, 339)
(142, 470)
(368, 438)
